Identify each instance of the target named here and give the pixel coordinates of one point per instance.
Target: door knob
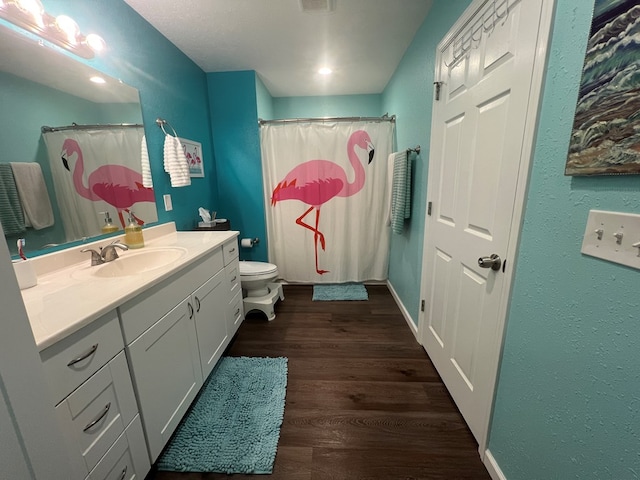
(493, 262)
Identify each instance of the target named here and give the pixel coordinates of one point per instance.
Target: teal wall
(236, 139)
(329, 106)
(264, 100)
(409, 95)
(171, 86)
(568, 397)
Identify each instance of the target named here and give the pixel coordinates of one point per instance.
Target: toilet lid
(257, 268)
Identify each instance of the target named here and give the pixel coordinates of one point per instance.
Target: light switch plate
(611, 236)
(168, 206)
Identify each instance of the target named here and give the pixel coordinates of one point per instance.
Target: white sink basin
(135, 262)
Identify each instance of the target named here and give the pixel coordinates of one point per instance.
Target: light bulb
(95, 42)
(33, 8)
(97, 79)
(69, 27)
(325, 71)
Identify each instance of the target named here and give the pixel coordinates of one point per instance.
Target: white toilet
(259, 290)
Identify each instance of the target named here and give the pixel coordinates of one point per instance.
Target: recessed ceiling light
(98, 80)
(325, 71)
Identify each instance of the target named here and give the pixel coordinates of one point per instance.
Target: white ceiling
(362, 40)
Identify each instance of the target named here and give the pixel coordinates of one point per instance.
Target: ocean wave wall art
(606, 130)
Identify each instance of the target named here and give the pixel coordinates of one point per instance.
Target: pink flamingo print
(317, 181)
(117, 185)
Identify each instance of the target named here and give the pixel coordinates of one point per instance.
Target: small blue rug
(234, 424)
(339, 291)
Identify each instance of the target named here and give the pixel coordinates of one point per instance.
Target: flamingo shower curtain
(98, 170)
(327, 205)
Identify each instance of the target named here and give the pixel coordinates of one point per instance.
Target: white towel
(400, 190)
(33, 194)
(175, 162)
(147, 181)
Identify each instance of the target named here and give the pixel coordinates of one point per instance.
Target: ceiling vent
(317, 6)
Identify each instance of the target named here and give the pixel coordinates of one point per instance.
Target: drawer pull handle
(190, 310)
(98, 418)
(197, 304)
(237, 312)
(124, 472)
(234, 278)
(232, 250)
(86, 354)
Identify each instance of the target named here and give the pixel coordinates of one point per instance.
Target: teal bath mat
(340, 291)
(234, 424)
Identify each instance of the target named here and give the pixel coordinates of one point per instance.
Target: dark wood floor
(363, 399)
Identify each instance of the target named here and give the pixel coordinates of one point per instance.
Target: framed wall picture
(605, 139)
(193, 152)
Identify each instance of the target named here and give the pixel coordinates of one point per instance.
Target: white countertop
(68, 297)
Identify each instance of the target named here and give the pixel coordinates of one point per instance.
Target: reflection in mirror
(84, 170)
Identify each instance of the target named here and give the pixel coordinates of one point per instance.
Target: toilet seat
(254, 269)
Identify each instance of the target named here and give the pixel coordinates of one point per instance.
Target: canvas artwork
(606, 131)
(193, 152)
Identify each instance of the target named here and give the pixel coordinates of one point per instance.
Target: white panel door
(477, 146)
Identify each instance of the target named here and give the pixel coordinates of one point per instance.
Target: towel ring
(161, 122)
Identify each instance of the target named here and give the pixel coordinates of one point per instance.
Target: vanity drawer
(230, 251)
(127, 459)
(235, 314)
(72, 360)
(140, 313)
(232, 274)
(95, 415)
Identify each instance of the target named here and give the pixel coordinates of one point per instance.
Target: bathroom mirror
(40, 86)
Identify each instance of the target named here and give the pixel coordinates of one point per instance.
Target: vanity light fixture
(97, 79)
(61, 30)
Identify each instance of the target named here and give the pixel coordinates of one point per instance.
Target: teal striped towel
(400, 190)
(11, 213)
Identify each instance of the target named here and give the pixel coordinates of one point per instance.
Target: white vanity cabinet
(122, 381)
(234, 311)
(95, 402)
(174, 332)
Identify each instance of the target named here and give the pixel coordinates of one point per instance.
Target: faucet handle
(96, 257)
(109, 253)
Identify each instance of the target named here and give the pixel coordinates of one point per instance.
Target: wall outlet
(168, 206)
(613, 236)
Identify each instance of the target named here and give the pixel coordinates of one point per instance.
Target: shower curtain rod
(383, 118)
(75, 126)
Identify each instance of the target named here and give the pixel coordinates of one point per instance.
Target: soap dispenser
(108, 226)
(133, 234)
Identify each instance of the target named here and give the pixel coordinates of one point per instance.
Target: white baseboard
(492, 466)
(405, 312)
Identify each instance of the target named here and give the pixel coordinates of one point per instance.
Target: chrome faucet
(109, 253)
(96, 258)
(106, 254)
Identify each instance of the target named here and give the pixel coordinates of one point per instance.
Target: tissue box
(215, 225)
